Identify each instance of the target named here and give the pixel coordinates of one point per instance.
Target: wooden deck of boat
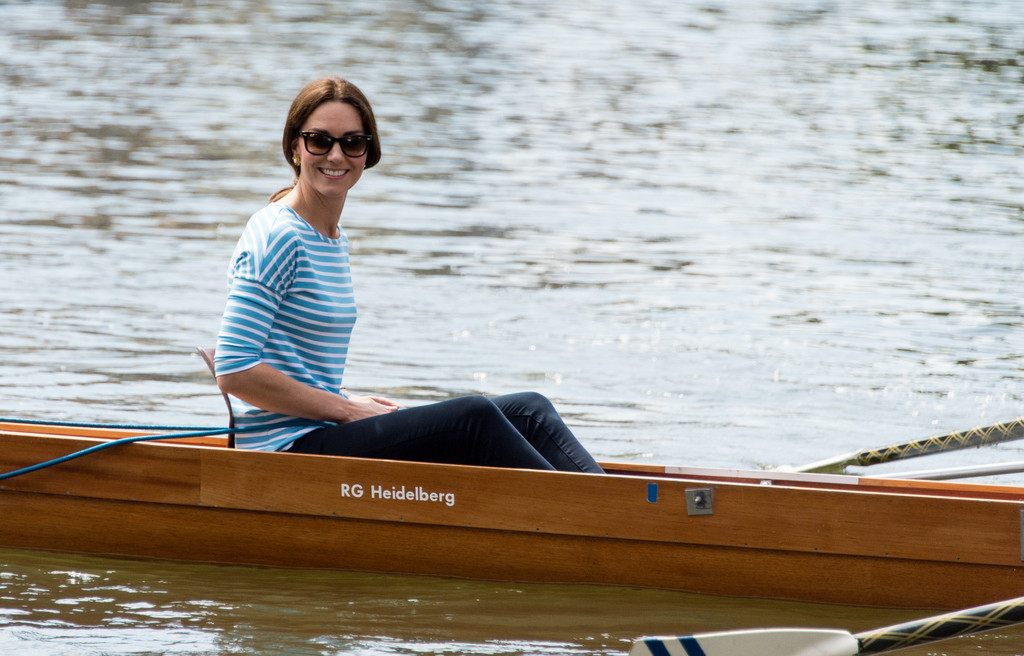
(822, 538)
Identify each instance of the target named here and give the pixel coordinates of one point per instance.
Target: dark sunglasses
(353, 145)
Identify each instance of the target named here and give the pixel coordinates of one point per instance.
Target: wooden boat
(821, 538)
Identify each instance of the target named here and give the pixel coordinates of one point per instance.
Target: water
(727, 233)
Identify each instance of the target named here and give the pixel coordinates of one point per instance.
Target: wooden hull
(817, 538)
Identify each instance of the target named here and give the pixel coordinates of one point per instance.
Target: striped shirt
(290, 305)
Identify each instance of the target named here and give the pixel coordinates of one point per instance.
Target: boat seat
(207, 354)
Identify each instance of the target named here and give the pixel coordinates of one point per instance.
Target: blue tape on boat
(691, 646)
(656, 647)
(652, 492)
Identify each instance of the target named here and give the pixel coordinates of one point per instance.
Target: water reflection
(53, 604)
(236, 610)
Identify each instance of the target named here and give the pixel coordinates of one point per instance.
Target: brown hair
(313, 95)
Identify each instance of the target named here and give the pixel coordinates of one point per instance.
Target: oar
(981, 436)
(827, 642)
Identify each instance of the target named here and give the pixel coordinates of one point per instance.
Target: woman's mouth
(334, 173)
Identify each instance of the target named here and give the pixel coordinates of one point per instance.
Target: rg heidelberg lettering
(397, 493)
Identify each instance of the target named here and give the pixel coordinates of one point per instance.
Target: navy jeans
(517, 430)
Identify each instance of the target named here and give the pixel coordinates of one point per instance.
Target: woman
(285, 333)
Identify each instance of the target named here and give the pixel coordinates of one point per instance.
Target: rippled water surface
(731, 233)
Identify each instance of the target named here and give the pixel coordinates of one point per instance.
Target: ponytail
(280, 193)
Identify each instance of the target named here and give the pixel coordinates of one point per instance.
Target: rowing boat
(854, 540)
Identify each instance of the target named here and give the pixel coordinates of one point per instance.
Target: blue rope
(190, 432)
(107, 445)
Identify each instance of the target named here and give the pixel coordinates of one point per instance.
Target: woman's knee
(476, 407)
(537, 400)
(528, 403)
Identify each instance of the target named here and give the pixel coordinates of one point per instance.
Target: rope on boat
(107, 445)
(81, 424)
(185, 431)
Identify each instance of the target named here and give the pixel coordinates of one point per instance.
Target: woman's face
(333, 173)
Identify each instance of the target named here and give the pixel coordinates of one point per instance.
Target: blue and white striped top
(290, 305)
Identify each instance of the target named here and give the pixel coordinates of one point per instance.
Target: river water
(733, 233)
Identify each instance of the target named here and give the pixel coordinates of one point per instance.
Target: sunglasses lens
(354, 146)
(318, 144)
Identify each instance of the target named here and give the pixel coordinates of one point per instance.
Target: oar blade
(763, 642)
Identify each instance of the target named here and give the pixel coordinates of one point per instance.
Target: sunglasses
(353, 145)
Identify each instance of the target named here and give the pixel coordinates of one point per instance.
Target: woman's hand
(267, 388)
(369, 406)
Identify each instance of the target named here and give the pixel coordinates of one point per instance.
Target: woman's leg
(467, 431)
(537, 420)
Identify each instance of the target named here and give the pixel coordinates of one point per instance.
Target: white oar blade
(763, 642)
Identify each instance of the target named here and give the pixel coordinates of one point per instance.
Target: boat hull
(824, 539)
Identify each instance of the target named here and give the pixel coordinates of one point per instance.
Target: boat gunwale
(696, 475)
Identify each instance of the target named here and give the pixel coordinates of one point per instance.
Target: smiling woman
(323, 105)
(326, 174)
(285, 333)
